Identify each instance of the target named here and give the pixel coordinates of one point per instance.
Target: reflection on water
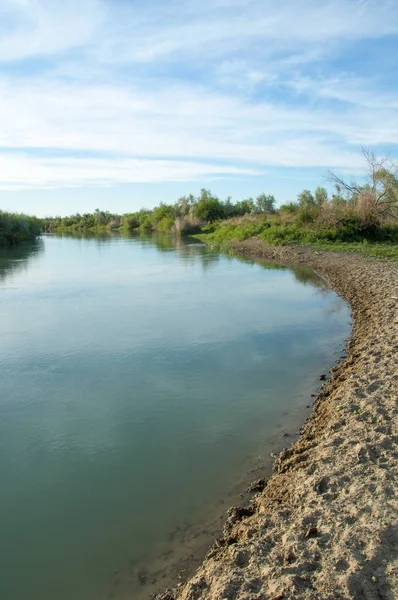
(143, 378)
(18, 257)
(190, 249)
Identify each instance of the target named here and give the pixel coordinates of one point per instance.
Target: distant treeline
(16, 228)
(188, 215)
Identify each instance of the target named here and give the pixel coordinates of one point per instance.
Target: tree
(163, 211)
(291, 208)
(245, 207)
(265, 204)
(379, 193)
(321, 196)
(208, 208)
(228, 207)
(183, 206)
(306, 199)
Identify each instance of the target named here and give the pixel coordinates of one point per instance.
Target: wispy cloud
(71, 171)
(31, 28)
(94, 92)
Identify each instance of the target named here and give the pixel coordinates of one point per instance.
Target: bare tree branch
(381, 188)
(338, 182)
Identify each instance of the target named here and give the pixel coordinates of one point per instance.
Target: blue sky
(120, 104)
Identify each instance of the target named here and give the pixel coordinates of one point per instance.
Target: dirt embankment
(325, 526)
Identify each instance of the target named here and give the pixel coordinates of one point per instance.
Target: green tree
(16, 228)
(265, 203)
(208, 207)
(306, 199)
(183, 206)
(228, 207)
(292, 208)
(321, 196)
(245, 207)
(163, 211)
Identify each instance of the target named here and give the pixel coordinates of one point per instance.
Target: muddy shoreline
(325, 526)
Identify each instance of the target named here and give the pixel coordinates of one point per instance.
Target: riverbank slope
(325, 525)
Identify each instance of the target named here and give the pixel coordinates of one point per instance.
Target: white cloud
(39, 172)
(179, 120)
(142, 31)
(31, 28)
(207, 31)
(182, 90)
(214, 29)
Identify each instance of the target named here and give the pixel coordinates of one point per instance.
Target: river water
(141, 380)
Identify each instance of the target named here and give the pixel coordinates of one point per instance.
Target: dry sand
(325, 526)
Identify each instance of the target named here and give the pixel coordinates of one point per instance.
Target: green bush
(130, 222)
(165, 225)
(209, 209)
(290, 208)
(307, 214)
(283, 234)
(16, 228)
(236, 229)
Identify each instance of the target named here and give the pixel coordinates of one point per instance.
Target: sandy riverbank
(325, 525)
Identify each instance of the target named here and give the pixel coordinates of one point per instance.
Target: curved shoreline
(325, 525)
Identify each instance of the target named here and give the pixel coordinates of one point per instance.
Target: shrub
(165, 225)
(307, 215)
(130, 222)
(283, 234)
(209, 209)
(16, 228)
(290, 208)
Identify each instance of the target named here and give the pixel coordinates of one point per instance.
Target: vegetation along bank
(16, 228)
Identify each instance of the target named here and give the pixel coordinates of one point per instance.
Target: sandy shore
(325, 526)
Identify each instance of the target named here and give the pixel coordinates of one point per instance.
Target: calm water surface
(139, 377)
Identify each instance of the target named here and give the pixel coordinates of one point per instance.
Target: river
(143, 382)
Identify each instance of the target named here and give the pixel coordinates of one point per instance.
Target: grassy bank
(351, 235)
(16, 228)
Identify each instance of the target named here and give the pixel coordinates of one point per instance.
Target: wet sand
(178, 558)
